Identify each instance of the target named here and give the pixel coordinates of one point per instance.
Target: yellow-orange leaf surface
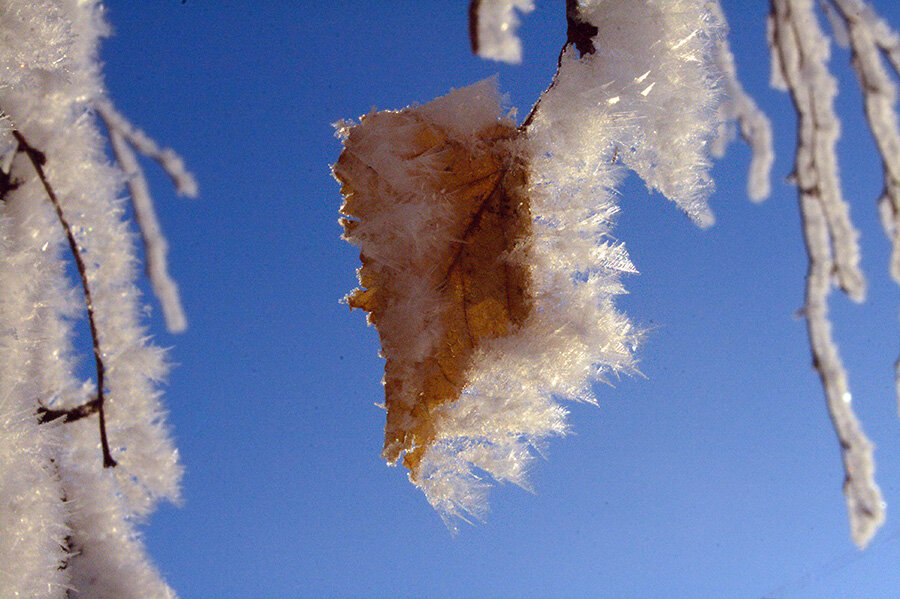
(436, 207)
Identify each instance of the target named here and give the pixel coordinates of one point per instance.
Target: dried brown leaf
(474, 213)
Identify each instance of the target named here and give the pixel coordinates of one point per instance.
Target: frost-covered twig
(579, 33)
(492, 28)
(799, 53)
(864, 501)
(37, 159)
(183, 180)
(739, 107)
(867, 37)
(123, 136)
(870, 39)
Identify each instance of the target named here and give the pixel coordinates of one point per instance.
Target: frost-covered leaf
(491, 284)
(436, 278)
(489, 264)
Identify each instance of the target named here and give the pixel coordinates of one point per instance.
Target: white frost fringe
(651, 83)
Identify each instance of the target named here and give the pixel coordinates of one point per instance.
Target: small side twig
(70, 415)
(579, 31)
(38, 159)
(124, 136)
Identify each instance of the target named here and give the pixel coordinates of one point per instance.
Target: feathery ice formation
(489, 265)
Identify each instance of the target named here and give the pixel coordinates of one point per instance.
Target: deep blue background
(715, 475)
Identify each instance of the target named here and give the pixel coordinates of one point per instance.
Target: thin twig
(156, 247)
(579, 31)
(38, 159)
(474, 7)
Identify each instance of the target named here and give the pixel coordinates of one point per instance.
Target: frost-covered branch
(70, 523)
(38, 159)
(123, 136)
(864, 501)
(799, 55)
(870, 39)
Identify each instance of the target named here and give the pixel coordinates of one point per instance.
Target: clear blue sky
(717, 475)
